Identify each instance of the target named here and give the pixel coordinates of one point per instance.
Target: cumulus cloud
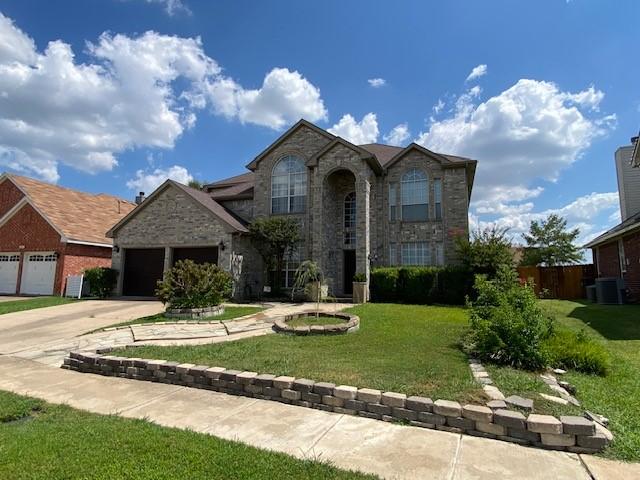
(377, 82)
(359, 133)
(148, 181)
(477, 72)
(172, 7)
(133, 92)
(398, 135)
(530, 131)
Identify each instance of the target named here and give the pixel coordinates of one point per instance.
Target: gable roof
(77, 216)
(301, 123)
(203, 198)
(383, 152)
(630, 224)
(247, 177)
(237, 191)
(364, 154)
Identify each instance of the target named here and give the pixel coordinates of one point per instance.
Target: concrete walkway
(385, 449)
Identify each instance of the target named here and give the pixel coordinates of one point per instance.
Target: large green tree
(487, 251)
(550, 243)
(275, 238)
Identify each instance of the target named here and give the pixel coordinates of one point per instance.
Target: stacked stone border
(571, 433)
(347, 324)
(194, 313)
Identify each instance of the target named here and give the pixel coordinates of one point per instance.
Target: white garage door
(38, 273)
(9, 272)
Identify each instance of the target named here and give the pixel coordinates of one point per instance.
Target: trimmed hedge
(421, 285)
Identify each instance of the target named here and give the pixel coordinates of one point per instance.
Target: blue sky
(127, 95)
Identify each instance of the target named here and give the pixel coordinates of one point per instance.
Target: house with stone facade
(358, 207)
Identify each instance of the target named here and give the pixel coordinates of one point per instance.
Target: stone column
(168, 258)
(363, 233)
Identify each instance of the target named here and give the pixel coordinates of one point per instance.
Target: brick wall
(608, 263)
(9, 196)
(632, 275)
(77, 258)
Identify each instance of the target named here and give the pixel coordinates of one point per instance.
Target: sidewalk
(388, 450)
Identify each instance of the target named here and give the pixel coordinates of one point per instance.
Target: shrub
(359, 277)
(577, 351)
(421, 285)
(192, 285)
(507, 324)
(102, 281)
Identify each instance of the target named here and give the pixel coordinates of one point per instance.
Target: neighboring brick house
(48, 232)
(357, 206)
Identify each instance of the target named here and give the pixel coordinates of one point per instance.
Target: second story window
(415, 197)
(289, 186)
(350, 219)
(393, 201)
(437, 193)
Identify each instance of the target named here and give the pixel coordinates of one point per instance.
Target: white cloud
(398, 135)
(359, 133)
(531, 131)
(377, 82)
(437, 108)
(148, 181)
(142, 91)
(172, 7)
(477, 72)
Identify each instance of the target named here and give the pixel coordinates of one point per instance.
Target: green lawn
(616, 396)
(31, 303)
(404, 348)
(50, 442)
(229, 313)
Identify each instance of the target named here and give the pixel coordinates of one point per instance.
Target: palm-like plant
(307, 273)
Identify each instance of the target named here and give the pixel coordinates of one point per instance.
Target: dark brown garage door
(143, 267)
(197, 254)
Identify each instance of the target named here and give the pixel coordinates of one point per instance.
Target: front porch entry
(349, 269)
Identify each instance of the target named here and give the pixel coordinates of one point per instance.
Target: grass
(403, 348)
(229, 313)
(58, 442)
(616, 395)
(31, 303)
(313, 320)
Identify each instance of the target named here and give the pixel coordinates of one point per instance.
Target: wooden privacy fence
(560, 282)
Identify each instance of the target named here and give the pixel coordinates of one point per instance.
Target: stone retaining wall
(194, 313)
(345, 323)
(570, 433)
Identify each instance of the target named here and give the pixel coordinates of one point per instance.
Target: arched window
(415, 196)
(350, 219)
(289, 185)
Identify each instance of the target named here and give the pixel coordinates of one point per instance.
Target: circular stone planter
(345, 323)
(194, 312)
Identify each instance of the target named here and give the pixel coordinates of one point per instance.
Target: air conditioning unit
(609, 290)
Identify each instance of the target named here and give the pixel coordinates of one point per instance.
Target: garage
(38, 273)
(143, 267)
(9, 263)
(197, 254)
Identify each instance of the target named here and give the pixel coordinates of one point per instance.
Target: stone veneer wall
(574, 434)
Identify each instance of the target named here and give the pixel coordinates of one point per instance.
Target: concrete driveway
(33, 329)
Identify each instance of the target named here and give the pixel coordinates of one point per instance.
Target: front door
(349, 270)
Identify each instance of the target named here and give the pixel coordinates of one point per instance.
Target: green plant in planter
(309, 273)
(102, 280)
(360, 277)
(192, 285)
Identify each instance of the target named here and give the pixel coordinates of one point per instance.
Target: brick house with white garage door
(358, 206)
(48, 232)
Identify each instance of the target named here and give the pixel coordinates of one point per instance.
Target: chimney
(140, 198)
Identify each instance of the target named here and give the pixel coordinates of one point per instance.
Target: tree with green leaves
(487, 250)
(197, 184)
(275, 238)
(550, 243)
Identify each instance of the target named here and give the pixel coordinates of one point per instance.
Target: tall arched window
(350, 219)
(289, 185)
(415, 196)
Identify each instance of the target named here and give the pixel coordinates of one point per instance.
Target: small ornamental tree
(309, 273)
(549, 243)
(102, 281)
(192, 285)
(275, 238)
(488, 250)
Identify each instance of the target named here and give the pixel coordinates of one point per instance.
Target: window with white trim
(393, 254)
(415, 197)
(9, 258)
(289, 186)
(439, 254)
(350, 219)
(621, 257)
(289, 267)
(415, 253)
(393, 202)
(437, 193)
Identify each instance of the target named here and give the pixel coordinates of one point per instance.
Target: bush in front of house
(192, 285)
(102, 281)
(577, 351)
(421, 285)
(507, 325)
